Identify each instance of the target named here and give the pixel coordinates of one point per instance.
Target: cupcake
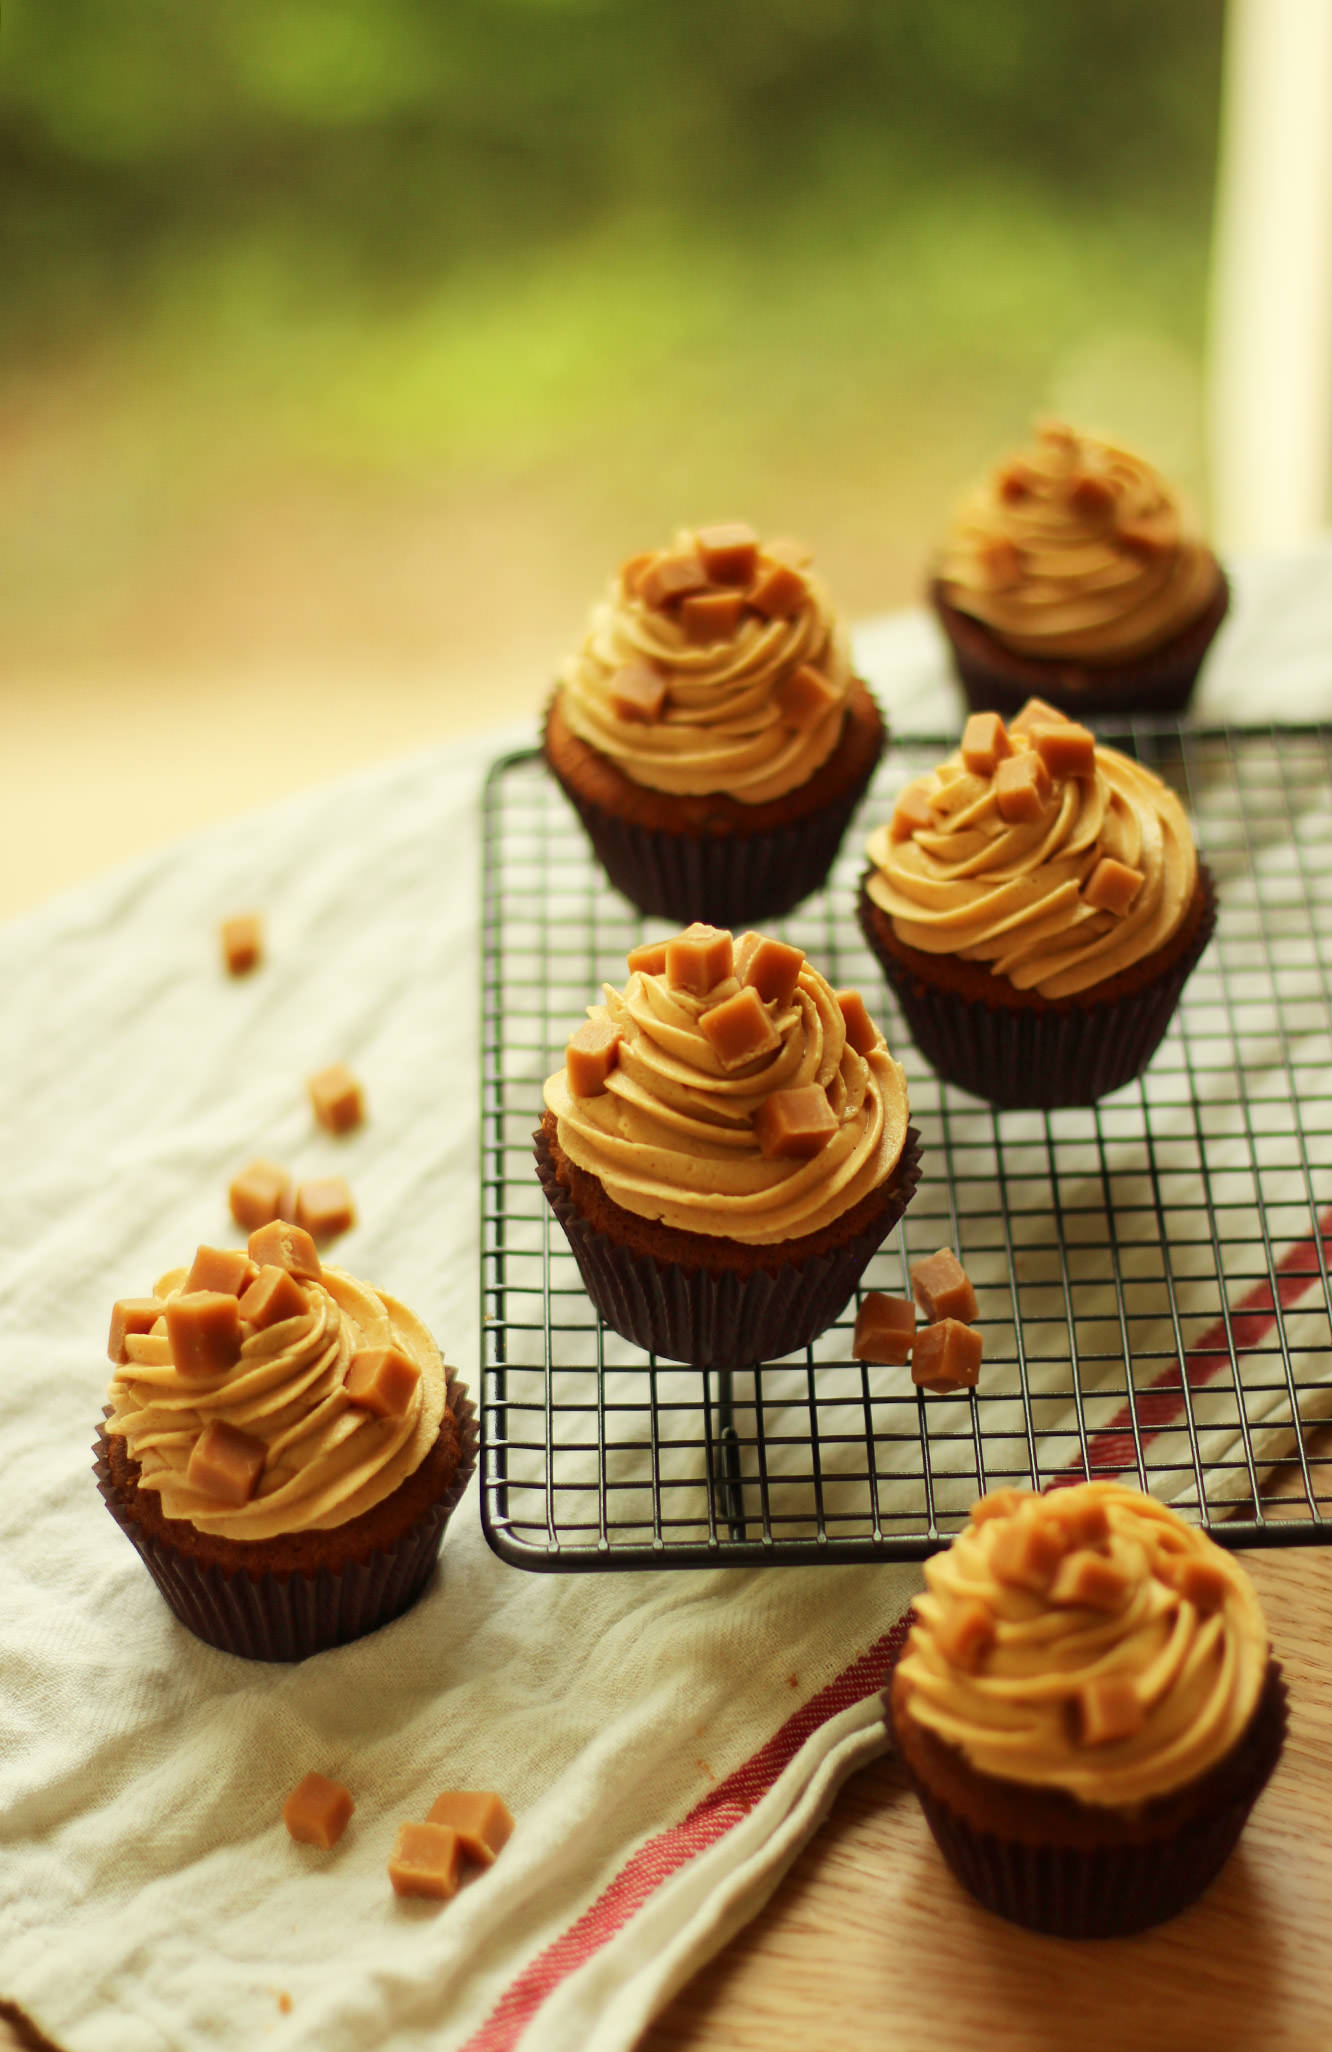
(725, 1146)
(709, 732)
(1037, 904)
(283, 1445)
(1071, 574)
(1087, 1707)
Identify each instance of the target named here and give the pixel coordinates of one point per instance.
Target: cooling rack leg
(724, 1460)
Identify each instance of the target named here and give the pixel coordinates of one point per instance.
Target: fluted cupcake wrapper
(289, 1617)
(1038, 1059)
(1108, 1891)
(721, 1319)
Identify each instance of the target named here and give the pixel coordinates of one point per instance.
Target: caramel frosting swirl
(726, 723)
(672, 1135)
(1175, 1640)
(1077, 549)
(1014, 893)
(326, 1459)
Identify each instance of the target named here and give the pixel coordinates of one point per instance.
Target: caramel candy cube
(946, 1356)
(1108, 1709)
(242, 942)
(997, 1503)
(738, 1030)
(592, 1053)
(637, 692)
(480, 1818)
(1093, 498)
(913, 813)
(1199, 1582)
(985, 743)
(286, 1246)
(885, 1329)
(942, 1287)
(220, 1268)
(382, 1380)
(650, 958)
(259, 1194)
(226, 1463)
(317, 1811)
(861, 1031)
(324, 1207)
(728, 551)
(778, 591)
(204, 1329)
(337, 1097)
(425, 1860)
(798, 1122)
(273, 1296)
(699, 958)
(770, 965)
(1013, 483)
(635, 568)
(1082, 1518)
(1034, 714)
(1022, 788)
(965, 1634)
(130, 1315)
(709, 616)
(1112, 886)
(671, 577)
(1067, 751)
(1027, 1553)
(805, 697)
(1092, 1581)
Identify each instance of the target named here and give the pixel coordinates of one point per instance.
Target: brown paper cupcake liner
(290, 1616)
(721, 1319)
(1111, 1891)
(1028, 1058)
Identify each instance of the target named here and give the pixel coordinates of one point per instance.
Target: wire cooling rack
(1152, 1273)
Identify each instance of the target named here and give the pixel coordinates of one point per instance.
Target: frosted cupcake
(1087, 1707)
(726, 1145)
(1037, 904)
(1072, 573)
(710, 732)
(282, 1444)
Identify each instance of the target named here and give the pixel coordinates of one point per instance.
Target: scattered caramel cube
(861, 1030)
(226, 1463)
(1108, 1709)
(1200, 1582)
(985, 743)
(1093, 498)
(259, 1194)
(946, 1356)
(221, 1268)
(805, 697)
(425, 1860)
(885, 1329)
(635, 568)
(130, 1315)
(1022, 788)
(337, 1097)
(770, 965)
(242, 942)
(942, 1287)
(997, 1503)
(324, 1207)
(203, 1327)
(649, 959)
(286, 1246)
(669, 578)
(965, 1634)
(1112, 886)
(913, 813)
(1036, 713)
(1082, 1518)
(728, 551)
(799, 1122)
(273, 1296)
(382, 1380)
(1026, 1553)
(1092, 1581)
(709, 616)
(1067, 751)
(699, 959)
(317, 1811)
(480, 1818)
(778, 591)
(637, 692)
(592, 1053)
(1013, 483)
(738, 1030)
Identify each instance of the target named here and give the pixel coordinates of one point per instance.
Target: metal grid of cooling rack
(1152, 1273)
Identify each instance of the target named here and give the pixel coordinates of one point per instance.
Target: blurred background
(347, 345)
